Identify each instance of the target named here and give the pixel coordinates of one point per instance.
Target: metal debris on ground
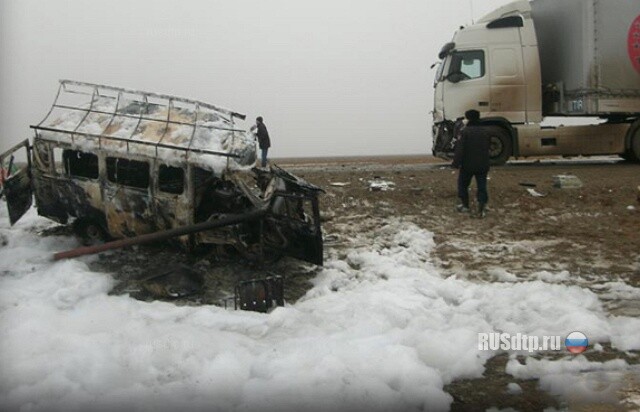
(339, 184)
(260, 295)
(177, 282)
(535, 193)
(377, 184)
(567, 182)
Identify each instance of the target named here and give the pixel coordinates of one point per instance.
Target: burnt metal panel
(16, 185)
(17, 190)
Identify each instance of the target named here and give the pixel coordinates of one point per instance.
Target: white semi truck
(527, 61)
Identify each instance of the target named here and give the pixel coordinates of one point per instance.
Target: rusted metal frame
(261, 258)
(141, 142)
(233, 141)
(135, 129)
(190, 177)
(291, 195)
(53, 105)
(10, 152)
(166, 125)
(93, 99)
(113, 116)
(24, 143)
(147, 118)
(29, 164)
(161, 96)
(193, 133)
(191, 206)
(163, 235)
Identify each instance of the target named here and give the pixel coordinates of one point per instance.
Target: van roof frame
(94, 89)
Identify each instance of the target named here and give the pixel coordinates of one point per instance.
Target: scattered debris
(177, 282)
(377, 184)
(331, 239)
(339, 184)
(567, 182)
(327, 216)
(260, 295)
(535, 193)
(631, 207)
(514, 389)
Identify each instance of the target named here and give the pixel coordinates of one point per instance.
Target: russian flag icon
(576, 342)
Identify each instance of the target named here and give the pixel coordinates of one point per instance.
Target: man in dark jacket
(263, 139)
(472, 158)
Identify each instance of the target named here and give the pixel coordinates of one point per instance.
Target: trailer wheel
(635, 144)
(500, 148)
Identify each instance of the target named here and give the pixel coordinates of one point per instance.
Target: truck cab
(492, 67)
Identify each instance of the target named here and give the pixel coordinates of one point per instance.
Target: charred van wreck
(139, 166)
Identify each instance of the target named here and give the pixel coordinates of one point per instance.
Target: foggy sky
(330, 77)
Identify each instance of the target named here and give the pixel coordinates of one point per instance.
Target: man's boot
(463, 208)
(482, 210)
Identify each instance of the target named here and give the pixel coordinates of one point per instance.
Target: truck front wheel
(635, 142)
(632, 153)
(500, 147)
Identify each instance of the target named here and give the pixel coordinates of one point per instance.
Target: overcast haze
(330, 77)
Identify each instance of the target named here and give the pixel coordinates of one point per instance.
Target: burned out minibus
(121, 163)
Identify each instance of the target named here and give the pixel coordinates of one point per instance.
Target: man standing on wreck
(263, 138)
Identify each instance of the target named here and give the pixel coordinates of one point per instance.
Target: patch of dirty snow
(578, 380)
(381, 329)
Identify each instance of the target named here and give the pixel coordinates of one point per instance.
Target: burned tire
(90, 231)
(500, 146)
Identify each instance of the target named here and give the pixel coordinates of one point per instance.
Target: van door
(15, 182)
(299, 223)
(127, 197)
(171, 200)
(466, 83)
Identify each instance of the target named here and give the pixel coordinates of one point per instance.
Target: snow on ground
(578, 379)
(381, 329)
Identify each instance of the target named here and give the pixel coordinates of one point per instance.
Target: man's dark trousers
(464, 180)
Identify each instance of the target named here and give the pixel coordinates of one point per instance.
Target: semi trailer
(529, 61)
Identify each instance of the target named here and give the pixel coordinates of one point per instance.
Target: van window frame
(124, 181)
(169, 192)
(68, 166)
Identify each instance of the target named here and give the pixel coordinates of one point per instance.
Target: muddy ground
(592, 233)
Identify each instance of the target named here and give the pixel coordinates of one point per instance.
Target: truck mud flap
(16, 182)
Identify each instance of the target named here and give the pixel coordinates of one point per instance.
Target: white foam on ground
(578, 380)
(382, 329)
